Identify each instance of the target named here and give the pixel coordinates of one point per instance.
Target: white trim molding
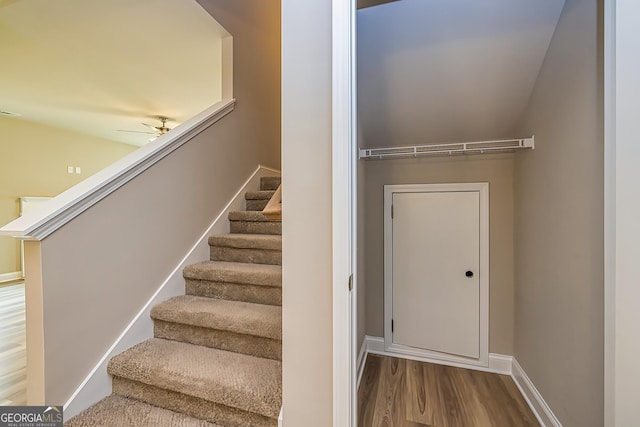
(227, 67)
(622, 209)
(343, 251)
(536, 402)
(362, 360)
(498, 364)
(98, 383)
(71, 203)
(609, 212)
(10, 277)
(483, 190)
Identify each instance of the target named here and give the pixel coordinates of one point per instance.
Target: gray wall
(559, 224)
(102, 267)
(255, 27)
(454, 70)
(429, 73)
(361, 285)
(495, 169)
(306, 227)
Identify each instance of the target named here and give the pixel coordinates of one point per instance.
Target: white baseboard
(10, 277)
(280, 418)
(98, 383)
(362, 360)
(498, 363)
(542, 411)
(268, 171)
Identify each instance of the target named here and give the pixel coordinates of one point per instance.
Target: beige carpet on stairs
(215, 359)
(116, 411)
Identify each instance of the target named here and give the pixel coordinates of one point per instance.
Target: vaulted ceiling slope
(434, 71)
(370, 3)
(96, 66)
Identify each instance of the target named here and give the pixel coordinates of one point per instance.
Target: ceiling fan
(154, 130)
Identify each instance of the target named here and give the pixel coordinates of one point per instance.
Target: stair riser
(257, 277)
(269, 183)
(189, 405)
(253, 256)
(269, 295)
(223, 340)
(256, 205)
(256, 227)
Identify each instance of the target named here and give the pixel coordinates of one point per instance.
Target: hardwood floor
(13, 363)
(397, 392)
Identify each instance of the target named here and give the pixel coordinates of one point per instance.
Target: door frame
(483, 189)
(621, 210)
(344, 215)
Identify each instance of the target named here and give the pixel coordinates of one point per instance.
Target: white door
(436, 270)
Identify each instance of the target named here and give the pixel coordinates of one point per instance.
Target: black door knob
(469, 273)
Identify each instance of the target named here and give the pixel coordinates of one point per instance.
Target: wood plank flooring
(13, 362)
(397, 392)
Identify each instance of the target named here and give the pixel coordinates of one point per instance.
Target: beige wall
(559, 224)
(34, 163)
(306, 227)
(99, 269)
(255, 27)
(495, 169)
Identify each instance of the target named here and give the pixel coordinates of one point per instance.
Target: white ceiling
(96, 66)
(449, 70)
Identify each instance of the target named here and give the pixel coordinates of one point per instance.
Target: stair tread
(259, 195)
(250, 216)
(235, 272)
(234, 316)
(247, 241)
(120, 411)
(236, 380)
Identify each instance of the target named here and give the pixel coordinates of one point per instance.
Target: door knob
(469, 273)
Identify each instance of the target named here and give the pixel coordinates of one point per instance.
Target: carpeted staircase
(215, 359)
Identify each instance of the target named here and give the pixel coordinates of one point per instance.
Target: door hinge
(391, 211)
(350, 282)
(391, 325)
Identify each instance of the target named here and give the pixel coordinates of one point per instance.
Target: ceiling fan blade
(154, 128)
(137, 131)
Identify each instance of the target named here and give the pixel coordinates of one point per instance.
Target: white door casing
(439, 312)
(344, 158)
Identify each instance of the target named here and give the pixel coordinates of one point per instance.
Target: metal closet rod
(449, 149)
